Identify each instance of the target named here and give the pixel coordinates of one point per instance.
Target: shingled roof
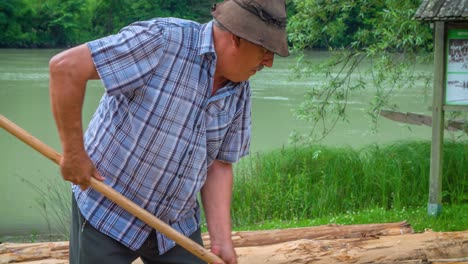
(446, 10)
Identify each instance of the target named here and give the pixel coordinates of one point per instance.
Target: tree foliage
(62, 23)
(381, 33)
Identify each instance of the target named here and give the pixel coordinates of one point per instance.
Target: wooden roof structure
(443, 10)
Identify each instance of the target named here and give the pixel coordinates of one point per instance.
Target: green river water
(24, 99)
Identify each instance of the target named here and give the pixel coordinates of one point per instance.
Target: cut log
(10, 253)
(428, 247)
(269, 237)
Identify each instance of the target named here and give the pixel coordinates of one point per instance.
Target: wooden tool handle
(114, 196)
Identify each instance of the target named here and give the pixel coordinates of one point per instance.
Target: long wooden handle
(114, 196)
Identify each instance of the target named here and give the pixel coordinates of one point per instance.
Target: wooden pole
(115, 196)
(435, 182)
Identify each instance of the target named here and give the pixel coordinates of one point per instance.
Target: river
(24, 99)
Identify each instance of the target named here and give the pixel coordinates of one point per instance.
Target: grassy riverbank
(318, 185)
(303, 186)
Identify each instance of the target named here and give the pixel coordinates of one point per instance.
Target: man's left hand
(225, 252)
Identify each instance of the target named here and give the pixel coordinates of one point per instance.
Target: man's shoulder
(181, 32)
(166, 24)
(174, 23)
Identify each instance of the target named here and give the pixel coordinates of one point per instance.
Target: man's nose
(268, 59)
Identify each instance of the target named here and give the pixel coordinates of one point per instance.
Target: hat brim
(246, 25)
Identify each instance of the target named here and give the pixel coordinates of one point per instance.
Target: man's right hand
(77, 167)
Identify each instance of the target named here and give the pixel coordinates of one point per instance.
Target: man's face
(248, 60)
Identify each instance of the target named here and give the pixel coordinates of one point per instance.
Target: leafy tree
(111, 15)
(61, 23)
(381, 33)
(13, 16)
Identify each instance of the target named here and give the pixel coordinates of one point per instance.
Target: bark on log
(269, 237)
(428, 247)
(11, 253)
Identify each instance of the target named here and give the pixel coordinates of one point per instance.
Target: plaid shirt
(158, 128)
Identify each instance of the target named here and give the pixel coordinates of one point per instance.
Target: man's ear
(235, 40)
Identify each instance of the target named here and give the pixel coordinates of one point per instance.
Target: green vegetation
(381, 33)
(299, 186)
(63, 23)
(316, 185)
(55, 206)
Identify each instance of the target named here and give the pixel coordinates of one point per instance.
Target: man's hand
(77, 167)
(216, 198)
(226, 252)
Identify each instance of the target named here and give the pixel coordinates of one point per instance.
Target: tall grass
(314, 185)
(317, 181)
(54, 202)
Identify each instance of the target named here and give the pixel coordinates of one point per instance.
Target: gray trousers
(89, 246)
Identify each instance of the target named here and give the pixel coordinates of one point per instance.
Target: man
(174, 117)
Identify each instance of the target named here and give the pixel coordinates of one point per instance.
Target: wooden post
(435, 183)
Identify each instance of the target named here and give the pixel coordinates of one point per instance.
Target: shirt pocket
(219, 117)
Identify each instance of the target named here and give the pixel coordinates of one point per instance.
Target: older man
(174, 117)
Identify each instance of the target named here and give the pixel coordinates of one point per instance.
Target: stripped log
(269, 237)
(11, 253)
(428, 247)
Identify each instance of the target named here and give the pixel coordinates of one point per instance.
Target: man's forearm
(69, 73)
(216, 197)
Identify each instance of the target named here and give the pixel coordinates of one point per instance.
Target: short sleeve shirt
(158, 127)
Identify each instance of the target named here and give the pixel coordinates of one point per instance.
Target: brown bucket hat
(262, 22)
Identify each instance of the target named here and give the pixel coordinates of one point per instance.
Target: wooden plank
(432, 9)
(421, 8)
(448, 8)
(443, 10)
(435, 181)
(462, 6)
(453, 10)
(465, 10)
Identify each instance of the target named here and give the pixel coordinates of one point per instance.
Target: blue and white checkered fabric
(158, 128)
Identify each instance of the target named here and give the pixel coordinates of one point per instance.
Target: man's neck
(218, 82)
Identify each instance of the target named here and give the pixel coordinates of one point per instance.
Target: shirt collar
(205, 40)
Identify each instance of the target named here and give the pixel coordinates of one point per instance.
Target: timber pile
(374, 243)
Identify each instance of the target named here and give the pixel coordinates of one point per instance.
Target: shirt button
(180, 175)
(190, 152)
(198, 126)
